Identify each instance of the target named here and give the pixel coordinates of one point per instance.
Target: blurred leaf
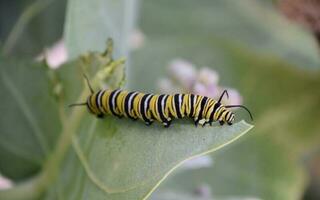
(41, 25)
(253, 167)
(89, 24)
(253, 54)
(286, 135)
(256, 24)
(30, 122)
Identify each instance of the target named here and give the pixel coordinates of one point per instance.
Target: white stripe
(99, 98)
(180, 101)
(130, 101)
(162, 104)
(145, 103)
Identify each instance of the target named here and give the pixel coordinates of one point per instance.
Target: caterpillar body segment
(162, 108)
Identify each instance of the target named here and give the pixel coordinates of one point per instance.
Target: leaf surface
(122, 159)
(30, 122)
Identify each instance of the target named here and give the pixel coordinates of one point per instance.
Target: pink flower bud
(208, 76)
(199, 88)
(213, 91)
(234, 97)
(55, 55)
(183, 72)
(5, 183)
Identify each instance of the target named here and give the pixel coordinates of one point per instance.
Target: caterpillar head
(91, 105)
(91, 102)
(229, 118)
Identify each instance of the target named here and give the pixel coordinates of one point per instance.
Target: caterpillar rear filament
(162, 108)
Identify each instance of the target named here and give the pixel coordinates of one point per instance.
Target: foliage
(265, 56)
(69, 154)
(54, 152)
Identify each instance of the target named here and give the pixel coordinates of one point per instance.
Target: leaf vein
(26, 111)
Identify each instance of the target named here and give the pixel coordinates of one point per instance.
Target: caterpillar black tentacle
(162, 108)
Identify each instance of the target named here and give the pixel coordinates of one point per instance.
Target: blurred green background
(273, 62)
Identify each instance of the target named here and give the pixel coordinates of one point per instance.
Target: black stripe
(208, 107)
(228, 117)
(203, 103)
(192, 105)
(177, 105)
(142, 110)
(132, 102)
(182, 103)
(216, 106)
(96, 101)
(111, 106)
(160, 109)
(126, 104)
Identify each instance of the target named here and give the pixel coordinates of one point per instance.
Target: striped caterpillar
(162, 108)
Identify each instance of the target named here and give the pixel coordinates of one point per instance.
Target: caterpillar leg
(166, 124)
(229, 123)
(221, 122)
(133, 119)
(196, 122)
(202, 122)
(207, 122)
(119, 116)
(100, 116)
(148, 123)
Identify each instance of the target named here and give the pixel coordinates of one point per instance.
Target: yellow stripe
(153, 107)
(166, 108)
(211, 109)
(171, 106)
(136, 105)
(218, 113)
(207, 107)
(105, 101)
(120, 102)
(198, 106)
(184, 105)
(93, 104)
(148, 111)
(223, 116)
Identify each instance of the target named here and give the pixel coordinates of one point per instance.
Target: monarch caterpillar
(162, 108)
